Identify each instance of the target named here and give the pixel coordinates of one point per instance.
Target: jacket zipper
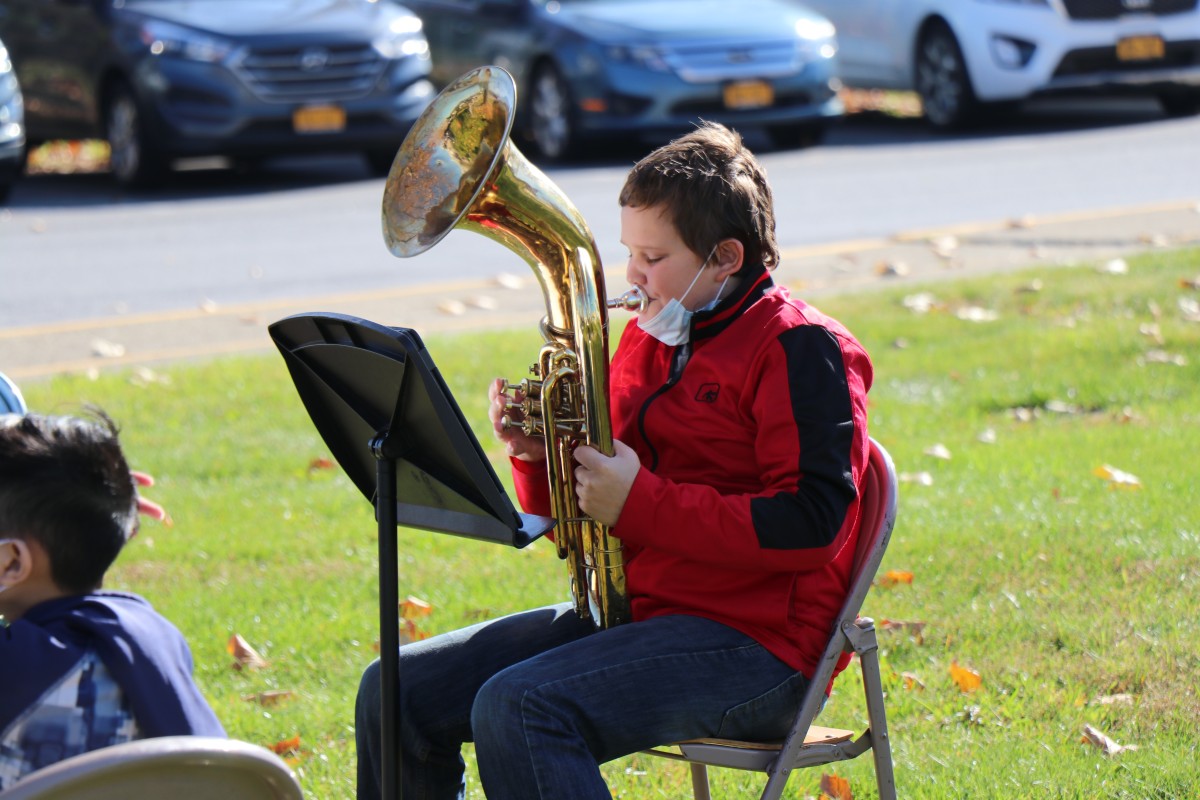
(678, 361)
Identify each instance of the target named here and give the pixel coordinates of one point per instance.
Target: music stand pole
(389, 603)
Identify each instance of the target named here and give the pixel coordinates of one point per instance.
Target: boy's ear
(16, 561)
(728, 258)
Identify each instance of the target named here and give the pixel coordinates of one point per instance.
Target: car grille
(1091, 60)
(307, 73)
(1111, 9)
(706, 62)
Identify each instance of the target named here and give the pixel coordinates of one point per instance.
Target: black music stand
(389, 420)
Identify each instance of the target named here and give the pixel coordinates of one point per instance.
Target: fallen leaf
(920, 303)
(1116, 477)
(454, 308)
(106, 349)
(895, 576)
(968, 680)
(1113, 700)
(911, 681)
(268, 698)
(1116, 266)
(414, 608)
(1190, 283)
(987, 436)
(977, 314)
(244, 656)
(938, 450)
(484, 302)
(1163, 357)
(921, 478)
(835, 787)
(914, 629)
(409, 632)
(508, 280)
(1106, 745)
(289, 750)
(888, 269)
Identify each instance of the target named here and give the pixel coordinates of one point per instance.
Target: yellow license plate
(749, 94)
(319, 119)
(1141, 48)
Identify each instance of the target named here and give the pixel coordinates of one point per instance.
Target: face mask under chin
(672, 325)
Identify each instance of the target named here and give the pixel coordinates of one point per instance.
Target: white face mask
(672, 325)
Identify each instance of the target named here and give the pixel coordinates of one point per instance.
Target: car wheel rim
(940, 80)
(550, 126)
(125, 148)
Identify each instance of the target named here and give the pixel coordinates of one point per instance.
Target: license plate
(749, 94)
(319, 119)
(1141, 48)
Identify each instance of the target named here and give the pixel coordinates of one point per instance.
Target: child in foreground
(80, 668)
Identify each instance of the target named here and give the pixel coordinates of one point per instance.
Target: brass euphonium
(458, 169)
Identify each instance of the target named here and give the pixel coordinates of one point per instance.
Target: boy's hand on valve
(602, 483)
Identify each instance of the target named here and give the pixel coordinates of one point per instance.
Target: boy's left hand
(602, 482)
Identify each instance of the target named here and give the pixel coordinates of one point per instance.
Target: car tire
(797, 136)
(1180, 104)
(942, 82)
(379, 162)
(551, 120)
(7, 180)
(133, 160)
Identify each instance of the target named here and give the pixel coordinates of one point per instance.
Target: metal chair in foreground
(808, 745)
(175, 767)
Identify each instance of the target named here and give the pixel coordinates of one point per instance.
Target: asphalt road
(91, 278)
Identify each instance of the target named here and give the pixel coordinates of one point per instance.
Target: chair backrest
(174, 767)
(878, 512)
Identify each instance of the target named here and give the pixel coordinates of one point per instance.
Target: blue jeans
(546, 700)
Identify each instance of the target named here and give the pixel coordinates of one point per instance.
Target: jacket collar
(707, 324)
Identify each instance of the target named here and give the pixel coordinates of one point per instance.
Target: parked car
(592, 69)
(162, 79)
(12, 126)
(961, 55)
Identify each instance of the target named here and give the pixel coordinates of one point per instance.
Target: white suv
(961, 54)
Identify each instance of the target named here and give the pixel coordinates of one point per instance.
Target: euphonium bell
(457, 168)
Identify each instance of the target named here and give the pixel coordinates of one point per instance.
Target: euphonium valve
(457, 168)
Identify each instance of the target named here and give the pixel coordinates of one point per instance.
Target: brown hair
(711, 187)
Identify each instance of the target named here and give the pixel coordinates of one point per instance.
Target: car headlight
(403, 38)
(11, 105)
(818, 38)
(168, 39)
(640, 55)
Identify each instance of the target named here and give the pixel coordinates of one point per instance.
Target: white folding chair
(808, 745)
(171, 767)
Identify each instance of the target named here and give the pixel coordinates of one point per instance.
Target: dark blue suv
(247, 79)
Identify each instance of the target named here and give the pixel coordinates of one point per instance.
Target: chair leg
(881, 746)
(700, 782)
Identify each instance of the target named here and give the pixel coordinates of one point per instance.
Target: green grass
(1056, 587)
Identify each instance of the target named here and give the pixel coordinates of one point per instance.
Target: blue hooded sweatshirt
(146, 655)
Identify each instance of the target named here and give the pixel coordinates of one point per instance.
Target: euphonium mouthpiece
(633, 300)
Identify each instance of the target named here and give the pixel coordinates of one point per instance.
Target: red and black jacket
(753, 443)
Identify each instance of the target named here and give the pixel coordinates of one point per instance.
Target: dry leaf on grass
(895, 576)
(244, 656)
(912, 682)
(835, 787)
(289, 750)
(1117, 478)
(321, 463)
(269, 698)
(968, 680)
(1095, 737)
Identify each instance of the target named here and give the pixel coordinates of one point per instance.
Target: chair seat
(816, 735)
(740, 754)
